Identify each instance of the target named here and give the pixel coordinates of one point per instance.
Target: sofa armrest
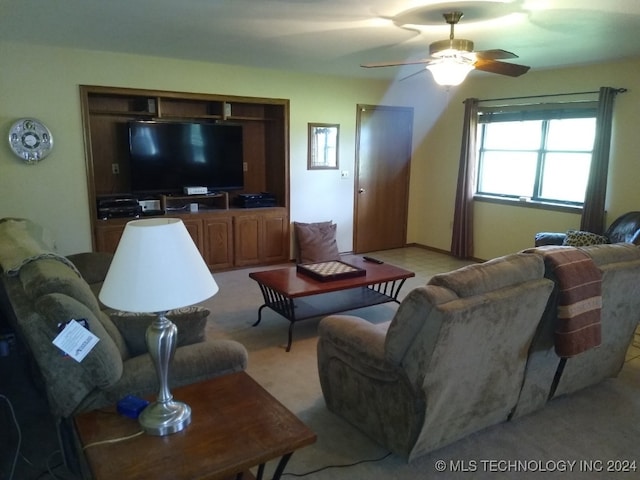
(549, 238)
(190, 364)
(356, 341)
(93, 266)
(191, 323)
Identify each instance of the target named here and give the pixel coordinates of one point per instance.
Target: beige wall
(501, 229)
(43, 82)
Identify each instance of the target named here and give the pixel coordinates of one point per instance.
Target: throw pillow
(190, 321)
(579, 238)
(316, 242)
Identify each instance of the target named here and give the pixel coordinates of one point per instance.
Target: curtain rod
(618, 90)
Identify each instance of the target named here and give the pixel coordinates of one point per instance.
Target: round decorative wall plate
(30, 140)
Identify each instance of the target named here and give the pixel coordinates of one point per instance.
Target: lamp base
(165, 418)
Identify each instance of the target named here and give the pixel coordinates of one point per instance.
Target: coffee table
(297, 297)
(236, 425)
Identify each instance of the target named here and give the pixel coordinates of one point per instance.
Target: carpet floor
(580, 436)
(594, 433)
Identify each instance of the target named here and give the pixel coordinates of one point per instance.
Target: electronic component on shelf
(196, 190)
(118, 206)
(253, 200)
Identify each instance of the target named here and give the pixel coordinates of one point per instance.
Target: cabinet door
(261, 237)
(218, 237)
(108, 237)
(247, 239)
(194, 227)
(275, 246)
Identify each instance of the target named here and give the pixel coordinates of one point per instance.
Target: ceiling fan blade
(395, 64)
(501, 68)
(496, 54)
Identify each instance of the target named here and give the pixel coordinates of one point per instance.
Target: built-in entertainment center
(218, 162)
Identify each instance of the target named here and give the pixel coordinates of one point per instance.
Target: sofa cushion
(103, 364)
(613, 253)
(494, 274)
(579, 238)
(316, 242)
(191, 323)
(93, 266)
(52, 276)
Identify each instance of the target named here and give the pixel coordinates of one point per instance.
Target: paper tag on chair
(75, 340)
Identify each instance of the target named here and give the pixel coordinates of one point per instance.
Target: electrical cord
(113, 440)
(373, 460)
(15, 421)
(50, 468)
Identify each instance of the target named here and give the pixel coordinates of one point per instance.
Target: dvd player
(117, 207)
(254, 200)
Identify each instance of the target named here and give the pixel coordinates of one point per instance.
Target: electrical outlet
(245, 167)
(115, 168)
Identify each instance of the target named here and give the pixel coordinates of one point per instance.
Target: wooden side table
(236, 425)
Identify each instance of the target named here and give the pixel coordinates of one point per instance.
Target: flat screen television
(165, 157)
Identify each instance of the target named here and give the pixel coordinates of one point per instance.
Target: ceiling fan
(451, 60)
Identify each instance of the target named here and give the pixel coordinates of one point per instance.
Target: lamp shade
(450, 71)
(156, 268)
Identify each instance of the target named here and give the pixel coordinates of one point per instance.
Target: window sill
(557, 207)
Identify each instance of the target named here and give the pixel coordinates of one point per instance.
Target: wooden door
(383, 158)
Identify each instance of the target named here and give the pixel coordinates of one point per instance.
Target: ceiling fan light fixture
(450, 71)
(440, 48)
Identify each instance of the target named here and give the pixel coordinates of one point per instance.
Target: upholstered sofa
(40, 290)
(548, 375)
(624, 229)
(476, 347)
(450, 362)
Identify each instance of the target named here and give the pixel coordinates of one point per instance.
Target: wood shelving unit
(226, 236)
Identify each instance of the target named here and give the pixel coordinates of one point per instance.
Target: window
(323, 146)
(540, 152)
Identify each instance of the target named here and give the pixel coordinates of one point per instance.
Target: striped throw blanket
(579, 302)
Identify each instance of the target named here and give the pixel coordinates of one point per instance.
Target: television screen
(168, 156)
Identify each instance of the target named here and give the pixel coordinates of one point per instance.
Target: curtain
(593, 211)
(462, 237)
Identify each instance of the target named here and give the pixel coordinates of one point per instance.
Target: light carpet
(592, 434)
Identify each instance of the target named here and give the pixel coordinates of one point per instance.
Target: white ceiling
(329, 36)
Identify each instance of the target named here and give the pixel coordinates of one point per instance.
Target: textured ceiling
(329, 36)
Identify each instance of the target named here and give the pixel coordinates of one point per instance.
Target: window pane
(508, 173)
(565, 176)
(513, 135)
(571, 134)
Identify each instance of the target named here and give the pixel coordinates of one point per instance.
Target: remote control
(372, 260)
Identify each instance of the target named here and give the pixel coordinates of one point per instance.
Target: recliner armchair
(450, 362)
(624, 229)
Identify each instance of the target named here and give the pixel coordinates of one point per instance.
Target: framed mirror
(323, 146)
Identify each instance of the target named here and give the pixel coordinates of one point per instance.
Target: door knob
(361, 190)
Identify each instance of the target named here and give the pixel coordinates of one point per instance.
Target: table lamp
(157, 268)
